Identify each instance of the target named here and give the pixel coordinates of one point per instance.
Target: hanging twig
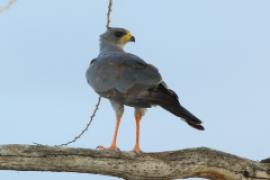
(7, 5)
(86, 127)
(99, 99)
(83, 131)
(109, 14)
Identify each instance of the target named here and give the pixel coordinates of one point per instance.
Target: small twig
(86, 127)
(83, 131)
(109, 14)
(99, 99)
(7, 5)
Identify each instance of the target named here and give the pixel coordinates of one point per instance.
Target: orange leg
(138, 117)
(114, 141)
(113, 146)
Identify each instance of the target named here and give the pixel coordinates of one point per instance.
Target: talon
(117, 149)
(101, 148)
(137, 150)
(111, 148)
(114, 149)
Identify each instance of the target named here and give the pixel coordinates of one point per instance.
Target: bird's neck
(107, 48)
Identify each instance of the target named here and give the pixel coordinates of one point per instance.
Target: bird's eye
(119, 34)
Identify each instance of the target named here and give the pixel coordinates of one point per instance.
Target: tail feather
(180, 111)
(169, 101)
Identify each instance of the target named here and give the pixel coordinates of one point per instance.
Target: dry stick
(83, 131)
(99, 99)
(97, 105)
(7, 5)
(86, 127)
(109, 14)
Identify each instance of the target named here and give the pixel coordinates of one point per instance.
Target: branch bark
(196, 162)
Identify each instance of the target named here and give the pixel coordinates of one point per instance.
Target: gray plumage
(126, 79)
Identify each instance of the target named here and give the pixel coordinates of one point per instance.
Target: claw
(137, 150)
(100, 148)
(111, 148)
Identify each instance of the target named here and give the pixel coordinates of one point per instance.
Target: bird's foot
(137, 150)
(111, 148)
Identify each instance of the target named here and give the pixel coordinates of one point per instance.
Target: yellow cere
(126, 38)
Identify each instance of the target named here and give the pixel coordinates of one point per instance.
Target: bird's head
(116, 37)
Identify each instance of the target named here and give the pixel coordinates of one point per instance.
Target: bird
(127, 80)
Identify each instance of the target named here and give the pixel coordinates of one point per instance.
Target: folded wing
(121, 72)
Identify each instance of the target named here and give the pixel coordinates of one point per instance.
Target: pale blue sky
(214, 54)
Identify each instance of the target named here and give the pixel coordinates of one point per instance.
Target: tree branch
(7, 5)
(197, 162)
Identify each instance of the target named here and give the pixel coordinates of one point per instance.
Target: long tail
(169, 101)
(180, 111)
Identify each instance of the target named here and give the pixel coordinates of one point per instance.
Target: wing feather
(121, 72)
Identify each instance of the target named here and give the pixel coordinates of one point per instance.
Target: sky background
(214, 54)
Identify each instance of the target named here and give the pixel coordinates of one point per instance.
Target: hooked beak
(132, 39)
(127, 38)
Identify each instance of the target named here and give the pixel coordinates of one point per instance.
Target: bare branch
(197, 162)
(7, 5)
(109, 14)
